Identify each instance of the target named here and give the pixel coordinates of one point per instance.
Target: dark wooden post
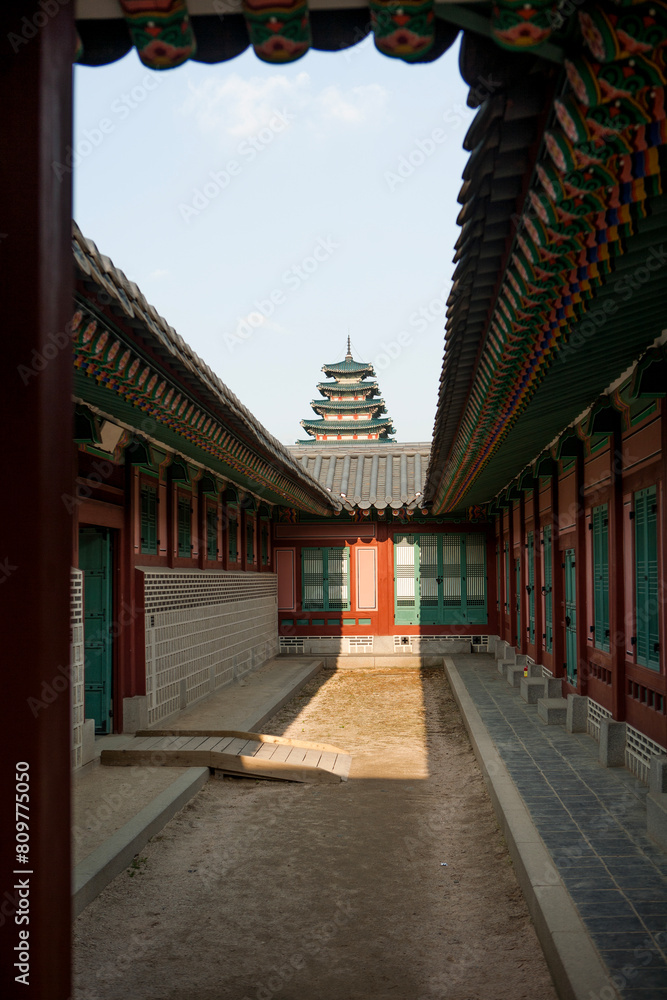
(537, 575)
(522, 639)
(36, 287)
(617, 626)
(557, 589)
(512, 588)
(581, 559)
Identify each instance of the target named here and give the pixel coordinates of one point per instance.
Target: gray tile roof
(364, 475)
(128, 301)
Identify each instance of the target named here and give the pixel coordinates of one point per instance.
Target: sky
(268, 211)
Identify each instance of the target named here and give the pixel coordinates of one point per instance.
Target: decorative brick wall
(76, 664)
(203, 630)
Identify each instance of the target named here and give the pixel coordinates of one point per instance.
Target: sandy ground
(262, 890)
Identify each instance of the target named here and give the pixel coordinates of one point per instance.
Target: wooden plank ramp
(250, 755)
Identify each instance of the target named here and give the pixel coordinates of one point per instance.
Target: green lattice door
(548, 589)
(430, 579)
(439, 579)
(95, 561)
(531, 587)
(570, 617)
(647, 601)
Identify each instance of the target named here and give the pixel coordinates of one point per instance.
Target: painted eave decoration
(616, 408)
(561, 265)
(167, 33)
(130, 361)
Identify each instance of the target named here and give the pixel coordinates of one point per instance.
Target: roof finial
(348, 356)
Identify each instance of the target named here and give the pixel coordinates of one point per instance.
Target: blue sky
(266, 211)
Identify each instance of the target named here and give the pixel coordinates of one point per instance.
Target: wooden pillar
(537, 575)
(36, 288)
(583, 611)
(617, 624)
(511, 606)
(558, 584)
(502, 630)
(243, 552)
(385, 579)
(522, 640)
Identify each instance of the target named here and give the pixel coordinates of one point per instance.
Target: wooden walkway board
(251, 755)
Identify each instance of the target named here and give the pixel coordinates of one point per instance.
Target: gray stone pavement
(592, 822)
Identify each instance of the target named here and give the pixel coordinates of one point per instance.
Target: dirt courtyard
(395, 885)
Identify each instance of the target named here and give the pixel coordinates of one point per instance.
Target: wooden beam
(36, 289)
(240, 734)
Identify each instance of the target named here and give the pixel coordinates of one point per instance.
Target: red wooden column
(503, 598)
(513, 594)
(36, 288)
(558, 583)
(617, 625)
(522, 640)
(537, 575)
(583, 611)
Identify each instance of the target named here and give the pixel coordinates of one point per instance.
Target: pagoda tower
(351, 409)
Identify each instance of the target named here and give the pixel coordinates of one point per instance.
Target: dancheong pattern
(602, 164)
(102, 356)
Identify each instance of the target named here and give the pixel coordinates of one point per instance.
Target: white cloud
(159, 273)
(237, 108)
(354, 106)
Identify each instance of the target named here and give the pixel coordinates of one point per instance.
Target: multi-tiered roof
(351, 409)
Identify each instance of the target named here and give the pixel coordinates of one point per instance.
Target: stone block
(554, 687)
(135, 713)
(514, 674)
(88, 741)
(553, 711)
(657, 782)
(577, 713)
(520, 659)
(383, 645)
(501, 666)
(612, 743)
(532, 689)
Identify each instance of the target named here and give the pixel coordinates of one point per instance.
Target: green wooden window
(232, 534)
(600, 528)
(439, 579)
(265, 544)
(250, 541)
(184, 518)
(325, 576)
(149, 539)
(507, 578)
(211, 533)
(548, 591)
(571, 659)
(646, 578)
(531, 586)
